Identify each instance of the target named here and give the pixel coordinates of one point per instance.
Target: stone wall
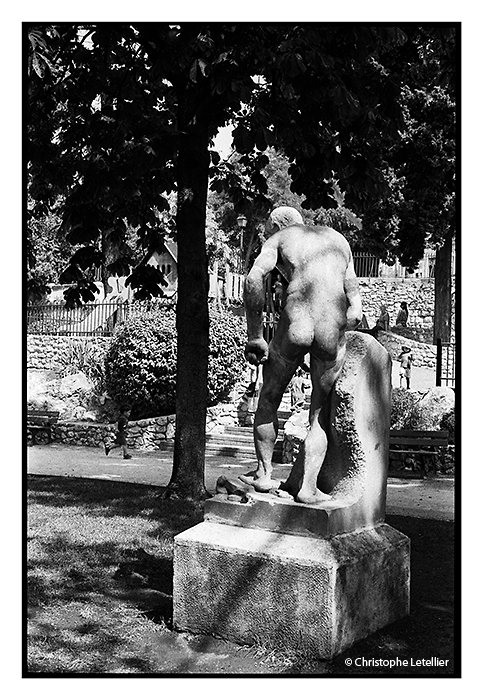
(391, 291)
(424, 355)
(145, 435)
(48, 352)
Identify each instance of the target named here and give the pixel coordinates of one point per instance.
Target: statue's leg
(324, 375)
(277, 373)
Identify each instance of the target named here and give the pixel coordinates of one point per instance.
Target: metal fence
(445, 364)
(90, 319)
(366, 265)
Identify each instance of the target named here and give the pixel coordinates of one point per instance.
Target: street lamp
(242, 222)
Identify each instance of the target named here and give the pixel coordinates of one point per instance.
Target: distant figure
(298, 385)
(322, 301)
(278, 294)
(120, 440)
(383, 321)
(406, 360)
(402, 316)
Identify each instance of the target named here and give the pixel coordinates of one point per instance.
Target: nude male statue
(322, 302)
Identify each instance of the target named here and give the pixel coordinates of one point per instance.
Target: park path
(422, 378)
(431, 498)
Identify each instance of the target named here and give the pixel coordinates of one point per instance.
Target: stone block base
(308, 594)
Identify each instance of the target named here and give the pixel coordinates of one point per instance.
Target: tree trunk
(192, 321)
(442, 292)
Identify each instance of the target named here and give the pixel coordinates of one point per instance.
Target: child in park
(120, 440)
(406, 360)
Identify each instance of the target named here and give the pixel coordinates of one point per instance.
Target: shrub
(226, 361)
(87, 357)
(141, 361)
(448, 423)
(402, 407)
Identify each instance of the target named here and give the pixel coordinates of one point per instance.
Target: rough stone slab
(308, 594)
(269, 512)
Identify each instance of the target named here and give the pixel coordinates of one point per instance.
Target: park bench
(418, 442)
(39, 424)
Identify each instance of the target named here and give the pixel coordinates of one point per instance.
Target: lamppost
(242, 222)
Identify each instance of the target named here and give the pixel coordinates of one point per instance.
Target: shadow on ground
(143, 580)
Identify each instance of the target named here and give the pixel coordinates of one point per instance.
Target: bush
(448, 423)
(411, 412)
(87, 357)
(141, 361)
(226, 361)
(402, 407)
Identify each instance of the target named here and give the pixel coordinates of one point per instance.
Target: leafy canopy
(110, 104)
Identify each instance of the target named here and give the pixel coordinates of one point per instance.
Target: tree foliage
(372, 106)
(108, 102)
(48, 253)
(279, 193)
(420, 166)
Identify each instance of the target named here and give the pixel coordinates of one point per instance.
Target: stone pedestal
(301, 593)
(313, 578)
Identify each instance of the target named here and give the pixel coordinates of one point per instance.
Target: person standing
(406, 360)
(402, 316)
(382, 323)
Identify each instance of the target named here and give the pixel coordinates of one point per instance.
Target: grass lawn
(99, 594)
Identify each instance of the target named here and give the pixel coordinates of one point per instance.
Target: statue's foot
(288, 489)
(265, 485)
(312, 497)
(262, 484)
(248, 478)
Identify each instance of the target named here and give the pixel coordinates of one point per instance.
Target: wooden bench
(419, 442)
(40, 423)
(418, 438)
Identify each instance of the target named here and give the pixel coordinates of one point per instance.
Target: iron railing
(445, 364)
(366, 265)
(89, 319)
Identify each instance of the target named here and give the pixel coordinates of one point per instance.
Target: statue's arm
(354, 302)
(256, 350)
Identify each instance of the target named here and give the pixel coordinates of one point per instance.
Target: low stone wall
(48, 352)
(145, 435)
(424, 355)
(220, 417)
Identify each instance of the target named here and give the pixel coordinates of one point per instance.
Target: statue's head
(281, 217)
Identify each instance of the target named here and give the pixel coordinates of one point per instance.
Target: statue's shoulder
(327, 231)
(329, 234)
